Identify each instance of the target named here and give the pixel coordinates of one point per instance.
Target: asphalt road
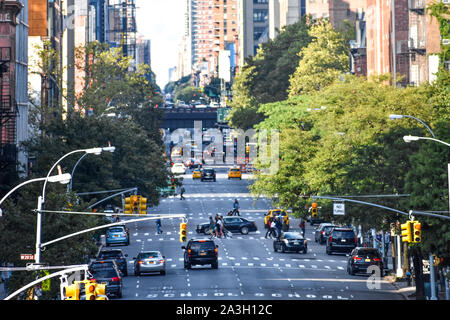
(249, 269)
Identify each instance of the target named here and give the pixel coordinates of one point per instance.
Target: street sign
(26, 256)
(338, 209)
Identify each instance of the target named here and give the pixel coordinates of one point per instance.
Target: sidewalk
(408, 292)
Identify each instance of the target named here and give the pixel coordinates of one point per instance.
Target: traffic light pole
(52, 275)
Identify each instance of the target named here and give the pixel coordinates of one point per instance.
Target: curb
(404, 291)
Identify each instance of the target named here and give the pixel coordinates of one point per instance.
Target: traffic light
(417, 229)
(100, 291)
(142, 205)
(173, 183)
(135, 204)
(89, 290)
(247, 149)
(314, 210)
(128, 206)
(183, 232)
(72, 292)
(407, 231)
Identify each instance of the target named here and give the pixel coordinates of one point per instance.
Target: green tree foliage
(322, 61)
(265, 77)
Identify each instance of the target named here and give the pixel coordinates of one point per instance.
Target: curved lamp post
(41, 199)
(400, 116)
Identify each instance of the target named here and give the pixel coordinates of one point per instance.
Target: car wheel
(187, 265)
(119, 294)
(351, 271)
(244, 230)
(215, 265)
(305, 250)
(274, 248)
(137, 273)
(283, 248)
(328, 251)
(163, 272)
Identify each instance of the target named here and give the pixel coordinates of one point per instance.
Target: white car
(178, 168)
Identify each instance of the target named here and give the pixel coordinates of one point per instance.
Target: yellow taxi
(196, 174)
(278, 212)
(234, 172)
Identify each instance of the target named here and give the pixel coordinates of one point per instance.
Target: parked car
(361, 259)
(322, 232)
(342, 240)
(149, 261)
(200, 252)
(208, 174)
(107, 272)
(178, 168)
(290, 241)
(117, 235)
(234, 172)
(116, 254)
(232, 224)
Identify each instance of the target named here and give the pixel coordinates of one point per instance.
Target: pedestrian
(236, 207)
(387, 241)
(158, 226)
(212, 227)
(181, 193)
(223, 231)
(278, 226)
(270, 228)
(302, 226)
(219, 228)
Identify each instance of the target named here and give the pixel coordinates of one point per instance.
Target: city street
(248, 266)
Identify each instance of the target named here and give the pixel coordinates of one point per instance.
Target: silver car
(149, 261)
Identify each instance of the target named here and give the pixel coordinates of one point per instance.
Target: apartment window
(260, 1)
(257, 32)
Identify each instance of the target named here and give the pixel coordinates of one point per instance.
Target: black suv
(341, 240)
(107, 271)
(361, 259)
(200, 251)
(116, 254)
(208, 174)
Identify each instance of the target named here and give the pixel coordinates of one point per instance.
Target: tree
(321, 62)
(265, 77)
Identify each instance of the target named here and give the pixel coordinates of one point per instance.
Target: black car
(290, 241)
(107, 272)
(232, 224)
(361, 259)
(200, 252)
(322, 232)
(116, 254)
(341, 240)
(208, 174)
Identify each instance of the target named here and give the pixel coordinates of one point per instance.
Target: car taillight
(140, 262)
(189, 252)
(377, 259)
(215, 251)
(115, 279)
(331, 239)
(357, 258)
(161, 261)
(356, 240)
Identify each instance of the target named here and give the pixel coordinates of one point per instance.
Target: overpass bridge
(175, 118)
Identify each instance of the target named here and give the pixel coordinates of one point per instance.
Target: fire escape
(8, 112)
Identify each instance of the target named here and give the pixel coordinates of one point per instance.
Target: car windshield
(208, 170)
(150, 255)
(207, 245)
(289, 235)
(235, 170)
(116, 230)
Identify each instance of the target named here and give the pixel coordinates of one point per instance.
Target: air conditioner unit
(446, 1)
(446, 42)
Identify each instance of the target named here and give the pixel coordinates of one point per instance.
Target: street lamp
(61, 178)
(400, 116)
(414, 138)
(109, 149)
(41, 199)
